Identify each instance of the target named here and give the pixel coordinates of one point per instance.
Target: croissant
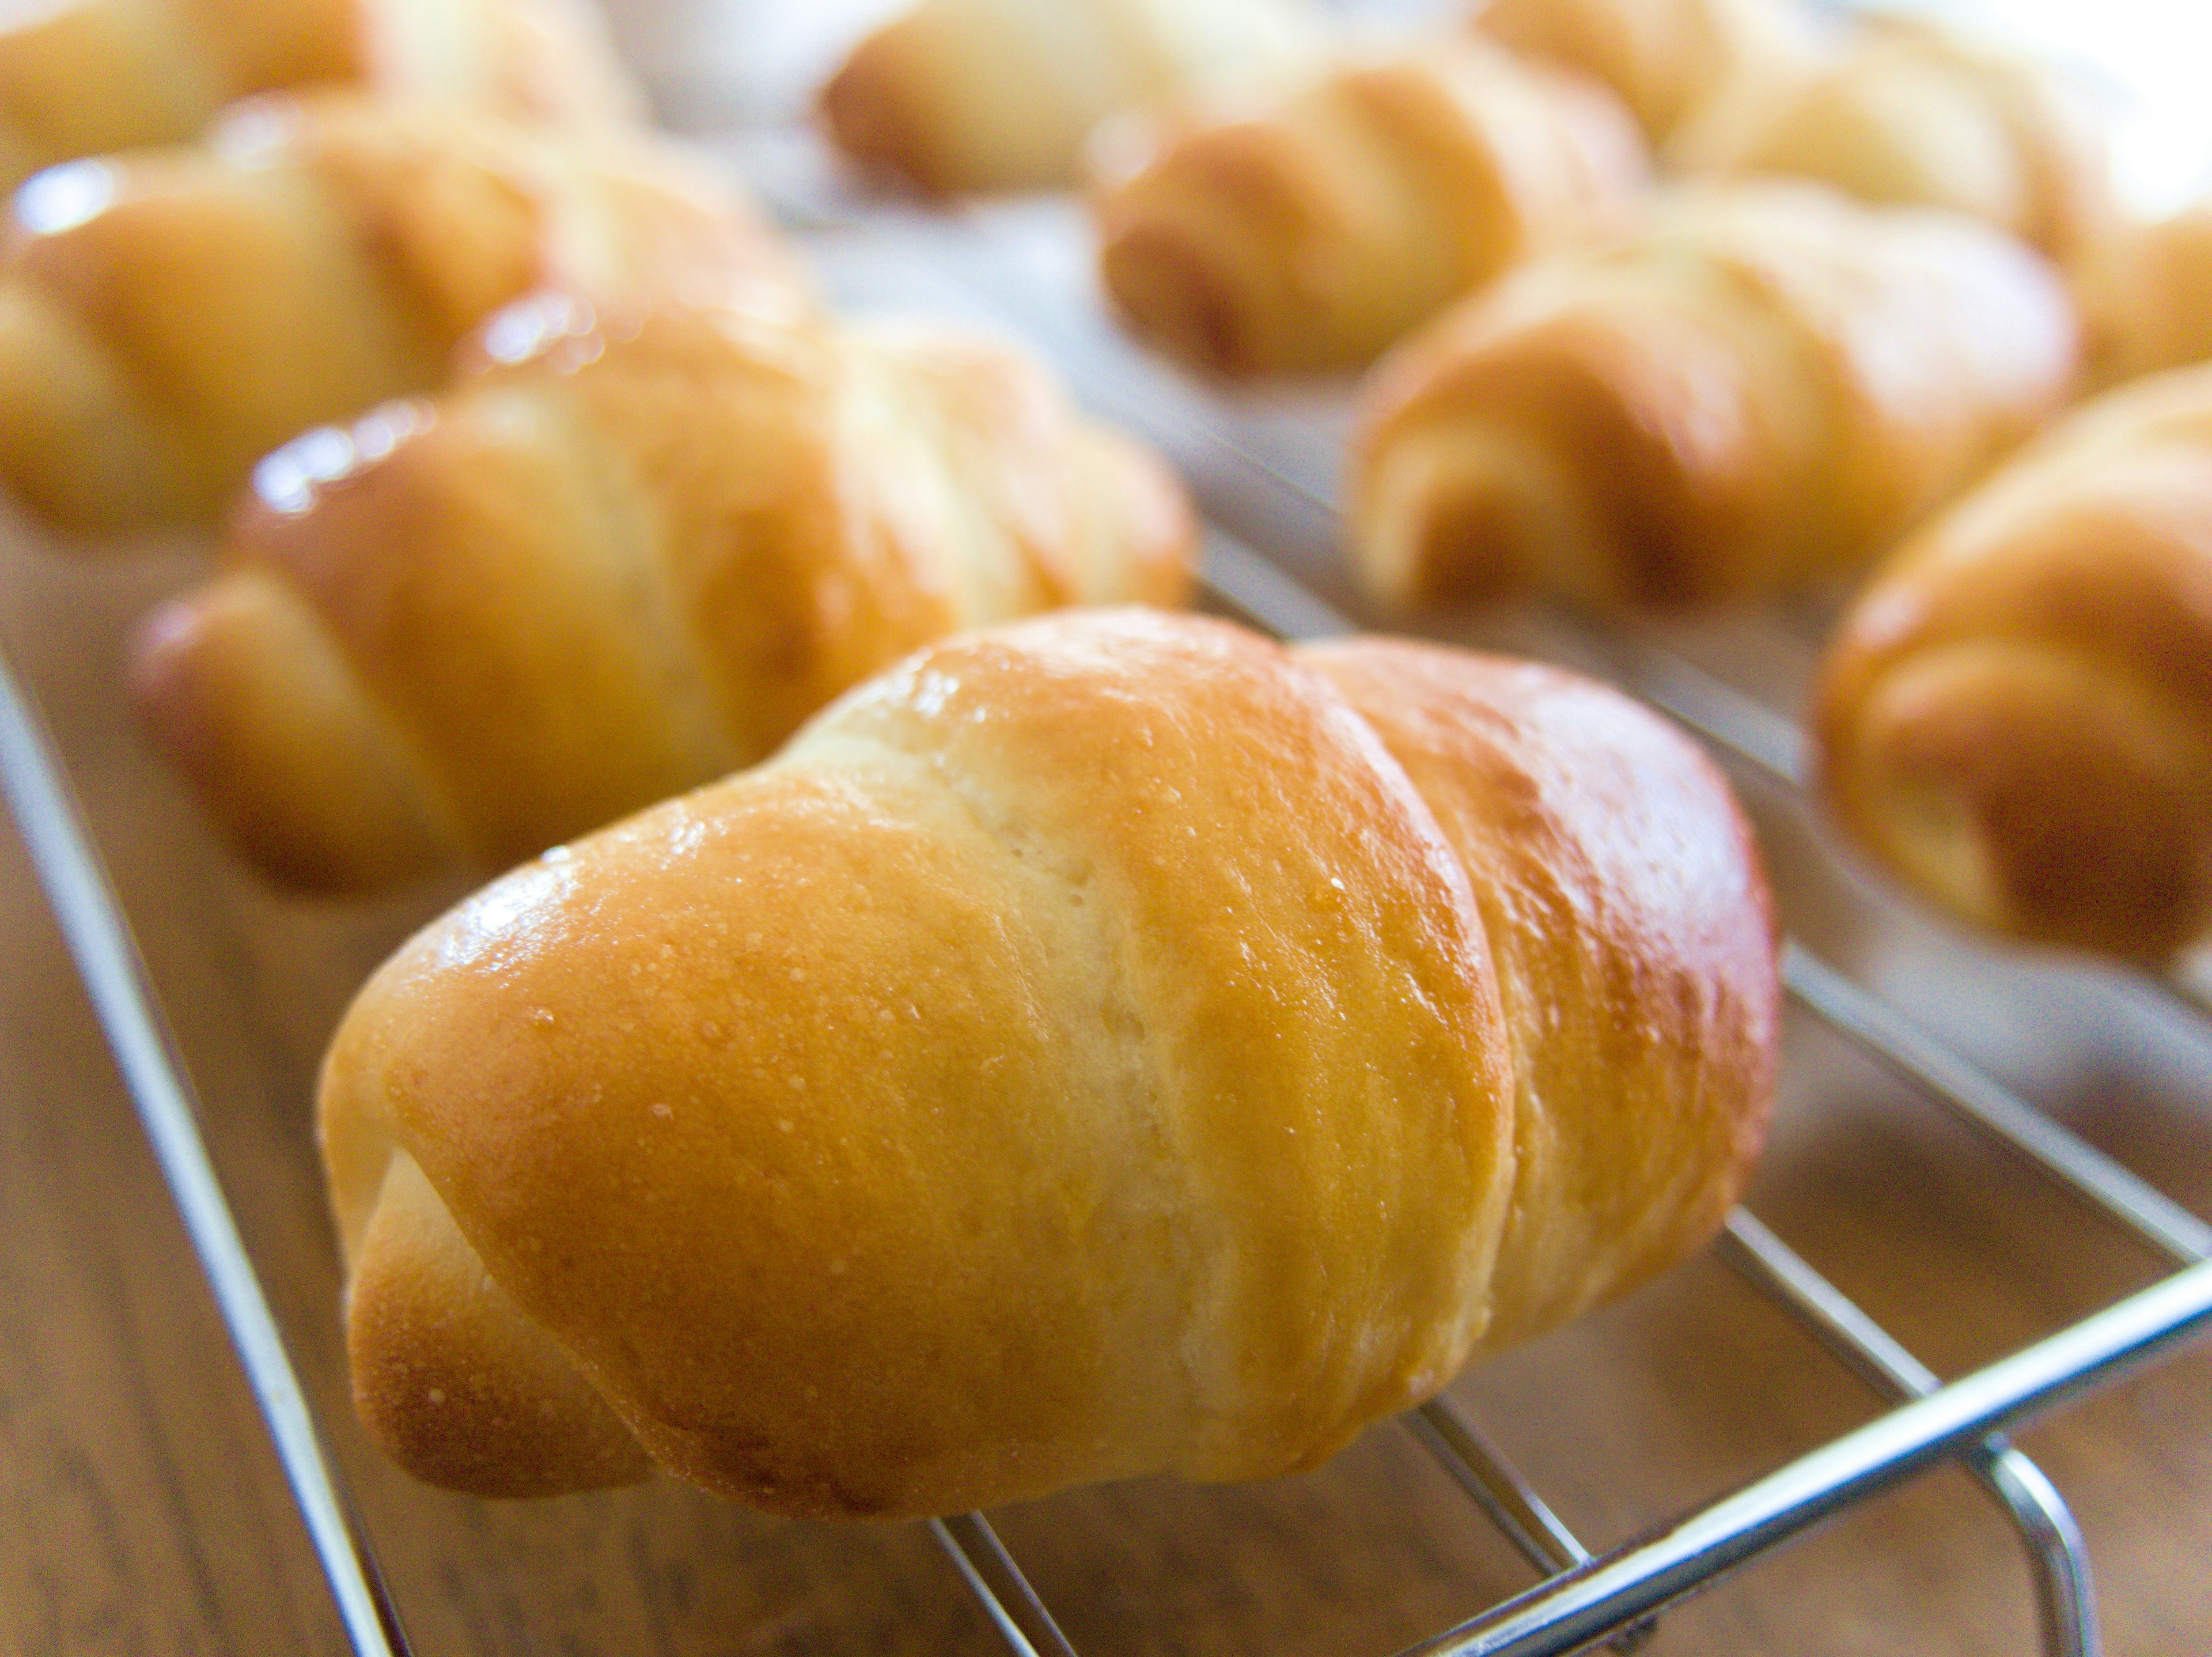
(1314, 235)
(2147, 291)
(960, 95)
(1107, 1044)
(80, 79)
(1911, 115)
(168, 317)
(1758, 389)
(1666, 59)
(620, 558)
(2017, 715)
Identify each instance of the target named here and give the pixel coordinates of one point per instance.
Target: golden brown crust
(879, 107)
(1759, 389)
(1908, 114)
(244, 681)
(2147, 291)
(1666, 60)
(448, 1374)
(624, 556)
(1635, 944)
(1079, 1054)
(96, 76)
(963, 95)
(2017, 717)
(1315, 233)
(178, 314)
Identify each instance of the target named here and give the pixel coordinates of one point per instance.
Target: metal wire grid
(1581, 1600)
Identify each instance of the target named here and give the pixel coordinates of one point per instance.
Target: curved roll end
(2016, 718)
(451, 1377)
(453, 1380)
(1453, 516)
(1315, 233)
(1613, 457)
(870, 112)
(244, 693)
(2028, 791)
(951, 98)
(75, 451)
(1249, 245)
(1191, 289)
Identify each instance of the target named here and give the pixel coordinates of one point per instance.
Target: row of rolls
(1020, 1048)
(1689, 304)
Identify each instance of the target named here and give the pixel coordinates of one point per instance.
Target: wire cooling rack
(1270, 482)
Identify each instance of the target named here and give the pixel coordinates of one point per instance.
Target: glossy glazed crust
(169, 316)
(1907, 114)
(965, 95)
(97, 76)
(2017, 716)
(1666, 60)
(1315, 233)
(1759, 389)
(1634, 942)
(1080, 1053)
(634, 556)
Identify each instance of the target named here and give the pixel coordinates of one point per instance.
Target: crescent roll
(960, 95)
(1758, 389)
(87, 76)
(1109, 1045)
(1909, 115)
(1666, 59)
(620, 558)
(2017, 715)
(1314, 234)
(168, 317)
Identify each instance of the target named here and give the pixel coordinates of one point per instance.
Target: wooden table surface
(141, 1511)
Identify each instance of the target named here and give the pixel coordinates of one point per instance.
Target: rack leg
(2065, 1599)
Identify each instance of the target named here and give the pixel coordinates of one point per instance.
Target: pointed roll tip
(452, 1379)
(76, 454)
(2029, 795)
(1174, 287)
(875, 109)
(240, 690)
